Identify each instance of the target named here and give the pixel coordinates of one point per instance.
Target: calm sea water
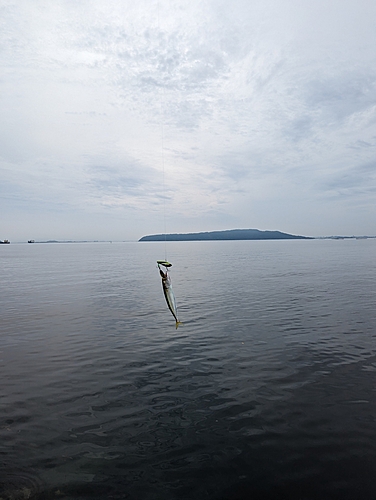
(266, 392)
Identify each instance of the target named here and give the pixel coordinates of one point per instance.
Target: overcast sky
(122, 118)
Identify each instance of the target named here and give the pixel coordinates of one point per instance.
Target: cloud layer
(120, 118)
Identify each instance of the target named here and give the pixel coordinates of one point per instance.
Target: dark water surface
(266, 392)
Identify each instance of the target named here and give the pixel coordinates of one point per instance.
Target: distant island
(230, 234)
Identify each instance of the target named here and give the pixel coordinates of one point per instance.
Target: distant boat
(31, 241)
(4, 242)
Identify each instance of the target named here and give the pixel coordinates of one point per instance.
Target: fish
(169, 295)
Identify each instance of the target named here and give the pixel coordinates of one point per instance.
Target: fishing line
(163, 178)
(162, 102)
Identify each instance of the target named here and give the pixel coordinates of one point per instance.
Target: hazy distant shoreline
(227, 235)
(70, 241)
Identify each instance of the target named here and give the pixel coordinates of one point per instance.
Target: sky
(120, 119)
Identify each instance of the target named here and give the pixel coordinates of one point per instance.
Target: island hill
(231, 234)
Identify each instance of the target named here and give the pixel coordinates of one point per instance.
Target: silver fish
(169, 294)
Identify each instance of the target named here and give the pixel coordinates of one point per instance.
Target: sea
(267, 390)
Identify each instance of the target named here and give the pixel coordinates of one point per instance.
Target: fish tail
(178, 323)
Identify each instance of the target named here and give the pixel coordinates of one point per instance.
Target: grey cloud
(344, 94)
(357, 180)
(120, 180)
(301, 127)
(360, 144)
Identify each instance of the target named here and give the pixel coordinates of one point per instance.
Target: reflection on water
(267, 391)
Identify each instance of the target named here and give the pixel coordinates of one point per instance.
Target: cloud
(225, 112)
